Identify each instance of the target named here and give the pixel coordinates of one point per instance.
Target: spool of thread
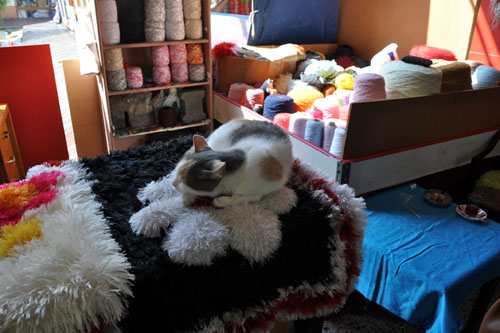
(179, 72)
(110, 33)
(192, 9)
(274, 104)
(253, 96)
(368, 87)
(167, 116)
(113, 59)
(337, 146)
(194, 54)
(178, 54)
(417, 61)
(486, 76)
(237, 91)
(298, 122)
(160, 55)
(194, 28)
(154, 10)
(197, 72)
(429, 52)
(161, 75)
(455, 75)
(329, 106)
(316, 113)
(283, 120)
(174, 10)
(175, 30)
(154, 34)
(304, 98)
(117, 80)
(328, 132)
(107, 11)
(404, 80)
(134, 77)
(314, 132)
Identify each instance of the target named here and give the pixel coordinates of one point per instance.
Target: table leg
(312, 325)
(481, 305)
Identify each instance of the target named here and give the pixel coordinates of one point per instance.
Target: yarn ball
(328, 90)
(134, 77)
(175, 30)
(303, 98)
(486, 76)
(174, 10)
(117, 80)
(194, 28)
(314, 131)
(274, 104)
(194, 54)
(107, 11)
(253, 96)
(329, 106)
(113, 59)
(237, 91)
(344, 81)
(161, 75)
(283, 120)
(298, 122)
(417, 61)
(167, 116)
(110, 33)
(179, 72)
(178, 54)
(343, 96)
(154, 10)
(160, 55)
(192, 9)
(224, 49)
(344, 112)
(154, 34)
(317, 114)
(368, 87)
(197, 72)
(404, 80)
(430, 52)
(455, 75)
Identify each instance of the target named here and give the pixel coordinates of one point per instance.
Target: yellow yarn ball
(18, 235)
(304, 97)
(344, 81)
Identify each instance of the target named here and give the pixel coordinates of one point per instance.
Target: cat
(241, 161)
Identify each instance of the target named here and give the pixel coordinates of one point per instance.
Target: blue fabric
(293, 21)
(424, 269)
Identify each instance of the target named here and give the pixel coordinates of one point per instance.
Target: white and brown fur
(241, 161)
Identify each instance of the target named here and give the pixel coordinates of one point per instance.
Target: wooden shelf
(123, 133)
(151, 44)
(155, 88)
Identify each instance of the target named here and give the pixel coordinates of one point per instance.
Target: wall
(486, 40)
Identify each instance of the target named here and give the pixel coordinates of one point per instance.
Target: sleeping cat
(241, 161)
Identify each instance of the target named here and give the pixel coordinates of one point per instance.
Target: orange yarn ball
(328, 90)
(303, 98)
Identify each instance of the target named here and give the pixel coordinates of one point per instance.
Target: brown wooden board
(382, 126)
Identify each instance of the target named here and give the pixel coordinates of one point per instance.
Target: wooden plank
(387, 125)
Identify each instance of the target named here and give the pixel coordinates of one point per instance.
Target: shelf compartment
(123, 133)
(155, 88)
(151, 44)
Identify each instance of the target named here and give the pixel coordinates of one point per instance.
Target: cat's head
(199, 171)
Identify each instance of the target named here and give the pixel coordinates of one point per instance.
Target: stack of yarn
(174, 20)
(192, 19)
(161, 69)
(154, 25)
(135, 79)
(107, 12)
(179, 63)
(115, 73)
(196, 62)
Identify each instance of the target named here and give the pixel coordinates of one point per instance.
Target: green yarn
(490, 179)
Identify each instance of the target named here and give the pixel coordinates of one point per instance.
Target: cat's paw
(223, 201)
(188, 199)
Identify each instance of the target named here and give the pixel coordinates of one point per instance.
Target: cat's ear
(217, 170)
(199, 143)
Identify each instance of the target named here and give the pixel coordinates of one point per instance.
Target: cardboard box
(235, 70)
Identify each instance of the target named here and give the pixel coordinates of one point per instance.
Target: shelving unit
(117, 139)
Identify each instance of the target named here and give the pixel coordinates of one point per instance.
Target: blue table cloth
(424, 269)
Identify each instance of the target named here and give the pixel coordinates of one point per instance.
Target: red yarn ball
(430, 52)
(223, 49)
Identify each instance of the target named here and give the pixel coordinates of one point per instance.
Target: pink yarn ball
(254, 96)
(161, 75)
(160, 55)
(179, 72)
(178, 54)
(316, 113)
(329, 106)
(134, 77)
(282, 120)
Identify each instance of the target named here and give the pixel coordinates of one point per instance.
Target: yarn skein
(107, 11)
(274, 104)
(192, 9)
(368, 87)
(179, 72)
(283, 120)
(298, 122)
(117, 80)
(161, 75)
(237, 91)
(178, 54)
(304, 98)
(456, 75)
(404, 80)
(174, 10)
(253, 96)
(329, 106)
(134, 77)
(314, 131)
(160, 55)
(328, 132)
(196, 72)
(113, 59)
(417, 61)
(194, 28)
(430, 52)
(194, 54)
(337, 146)
(316, 113)
(486, 76)
(175, 30)
(110, 33)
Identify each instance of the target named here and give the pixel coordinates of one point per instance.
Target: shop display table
(423, 269)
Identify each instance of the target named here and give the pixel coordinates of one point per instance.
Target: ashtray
(480, 216)
(438, 198)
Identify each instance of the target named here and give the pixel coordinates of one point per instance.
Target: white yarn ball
(403, 80)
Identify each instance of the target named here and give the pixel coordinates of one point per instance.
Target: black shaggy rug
(311, 274)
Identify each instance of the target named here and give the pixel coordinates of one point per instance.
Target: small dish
(480, 216)
(438, 198)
